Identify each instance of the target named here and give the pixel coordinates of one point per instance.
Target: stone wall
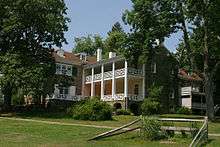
(165, 76)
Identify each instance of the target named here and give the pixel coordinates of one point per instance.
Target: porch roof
(99, 63)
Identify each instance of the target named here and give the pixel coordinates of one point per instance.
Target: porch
(114, 81)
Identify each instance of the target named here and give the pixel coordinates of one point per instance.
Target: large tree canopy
(114, 42)
(157, 19)
(28, 30)
(88, 44)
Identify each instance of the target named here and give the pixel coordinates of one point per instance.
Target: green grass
(214, 127)
(22, 134)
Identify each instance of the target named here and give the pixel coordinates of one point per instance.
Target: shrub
(92, 109)
(122, 112)
(184, 110)
(150, 107)
(150, 129)
(135, 108)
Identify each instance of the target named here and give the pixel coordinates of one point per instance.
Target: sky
(97, 17)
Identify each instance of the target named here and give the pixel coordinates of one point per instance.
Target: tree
(115, 41)
(28, 30)
(88, 44)
(206, 19)
(154, 19)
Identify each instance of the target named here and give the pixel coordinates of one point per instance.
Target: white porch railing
(188, 90)
(135, 72)
(198, 105)
(121, 97)
(67, 97)
(118, 73)
(135, 97)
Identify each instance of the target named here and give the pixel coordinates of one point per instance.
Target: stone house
(114, 80)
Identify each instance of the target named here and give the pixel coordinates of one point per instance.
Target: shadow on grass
(208, 142)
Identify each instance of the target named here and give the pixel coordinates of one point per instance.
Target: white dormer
(83, 56)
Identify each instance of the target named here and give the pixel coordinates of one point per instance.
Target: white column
(143, 85)
(113, 79)
(126, 80)
(92, 84)
(102, 82)
(83, 83)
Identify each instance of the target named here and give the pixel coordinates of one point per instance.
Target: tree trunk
(209, 85)
(7, 92)
(209, 89)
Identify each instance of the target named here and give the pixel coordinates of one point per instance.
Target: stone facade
(162, 70)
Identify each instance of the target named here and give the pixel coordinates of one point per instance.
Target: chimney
(112, 55)
(99, 54)
(60, 53)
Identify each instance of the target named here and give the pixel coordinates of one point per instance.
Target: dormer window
(83, 56)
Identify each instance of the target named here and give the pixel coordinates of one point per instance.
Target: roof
(73, 59)
(183, 74)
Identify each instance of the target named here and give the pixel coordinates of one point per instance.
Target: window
(74, 71)
(83, 56)
(154, 67)
(62, 69)
(136, 89)
(58, 68)
(64, 90)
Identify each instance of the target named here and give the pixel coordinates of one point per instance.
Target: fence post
(207, 128)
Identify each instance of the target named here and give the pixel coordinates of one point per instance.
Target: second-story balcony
(119, 73)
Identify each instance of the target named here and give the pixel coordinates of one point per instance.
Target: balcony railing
(118, 73)
(121, 97)
(66, 97)
(198, 105)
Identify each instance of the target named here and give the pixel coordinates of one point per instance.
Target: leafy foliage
(122, 112)
(115, 42)
(135, 108)
(151, 104)
(150, 129)
(88, 44)
(92, 109)
(150, 107)
(184, 110)
(28, 29)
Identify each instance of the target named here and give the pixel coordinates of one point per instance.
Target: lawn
(214, 127)
(21, 133)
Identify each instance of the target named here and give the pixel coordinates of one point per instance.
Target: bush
(184, 110)
(135, 108)
(122, 112)
(92, 109)
(150, 129)
(150, 107)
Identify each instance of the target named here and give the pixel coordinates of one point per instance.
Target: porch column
(83, 83)
(92, 84)
(102, 82)
(143, 85)
(113, 79)
(126, 80)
